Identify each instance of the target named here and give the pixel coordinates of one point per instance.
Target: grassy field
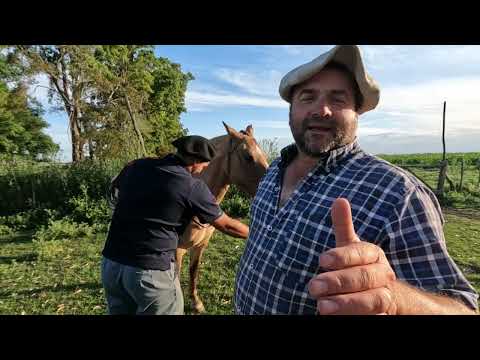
(62, 276)
(64, 208)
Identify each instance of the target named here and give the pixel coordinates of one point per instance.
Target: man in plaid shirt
(335, 230)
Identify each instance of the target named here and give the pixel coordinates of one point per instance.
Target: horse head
(246, 162)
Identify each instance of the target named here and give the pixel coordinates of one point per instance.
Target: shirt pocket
(300, 247)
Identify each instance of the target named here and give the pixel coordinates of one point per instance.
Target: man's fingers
(370, 302)
(342, 223)
(361, 253)
(352, 280)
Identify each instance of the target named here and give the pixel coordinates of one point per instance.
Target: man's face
(322, 113)
(197, 168)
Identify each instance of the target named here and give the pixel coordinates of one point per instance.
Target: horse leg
(179, 258)
(195, 257)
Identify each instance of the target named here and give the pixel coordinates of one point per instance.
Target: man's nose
(321, 108)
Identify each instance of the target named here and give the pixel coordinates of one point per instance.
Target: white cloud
(420, 106)
(199, 100)
(304, 50)
(271, 124)
(408, 144)
(257, 83)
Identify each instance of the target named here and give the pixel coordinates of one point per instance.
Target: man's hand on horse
(359, 279)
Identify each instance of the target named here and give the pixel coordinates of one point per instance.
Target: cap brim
(350, 56)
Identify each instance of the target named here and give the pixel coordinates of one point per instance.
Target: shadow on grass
(18, 238)
(59, 288)
(469, 268)
(7, 260)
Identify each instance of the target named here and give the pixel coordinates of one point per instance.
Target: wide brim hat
(348, 55)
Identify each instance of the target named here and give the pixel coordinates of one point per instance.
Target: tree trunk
(135, 126)
(76, 140)
(91, 149)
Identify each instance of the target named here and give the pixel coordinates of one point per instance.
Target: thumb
(342, 223)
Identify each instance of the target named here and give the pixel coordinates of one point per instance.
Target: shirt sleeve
(415, 247)
(202, 203)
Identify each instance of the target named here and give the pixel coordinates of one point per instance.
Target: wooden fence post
(460, 187)
(478, 167)
(444, 163)
(441, 178)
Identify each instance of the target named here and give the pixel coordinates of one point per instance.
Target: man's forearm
(413, 301)
(231, 226)
(237, 229)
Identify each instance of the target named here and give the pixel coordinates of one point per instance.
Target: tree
(119, 98)
(166, 104)
(67, 67)
(147, 91)
(21, 125)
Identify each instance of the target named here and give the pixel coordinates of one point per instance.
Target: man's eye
(338, 100)
(306, 98)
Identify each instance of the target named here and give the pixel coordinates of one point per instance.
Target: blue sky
(239, 85)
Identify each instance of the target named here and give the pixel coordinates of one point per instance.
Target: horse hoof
(198, 308)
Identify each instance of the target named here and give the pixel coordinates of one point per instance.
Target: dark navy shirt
(157, 198)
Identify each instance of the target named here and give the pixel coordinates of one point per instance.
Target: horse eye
(249, 157)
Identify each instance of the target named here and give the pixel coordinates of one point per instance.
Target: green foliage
(166, 103)
(63, 229)
(6, 230)
(454, 159)
(30, 219)
(22, 125)
(24, 185)
(236, 203)
(426, 167)
(83, 208)
(120, 99)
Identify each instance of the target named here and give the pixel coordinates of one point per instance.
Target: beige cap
(351, 57)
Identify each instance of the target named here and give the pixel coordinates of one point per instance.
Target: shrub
(64, 229)
(236, 203)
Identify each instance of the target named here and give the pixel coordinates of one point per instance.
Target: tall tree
(150, 91)
(67, 67)
(21, 125)
(166, 104)
(119, 98)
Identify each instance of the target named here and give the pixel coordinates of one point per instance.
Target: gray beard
(337, 138)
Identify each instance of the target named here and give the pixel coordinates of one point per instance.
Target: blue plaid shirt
(390, 208)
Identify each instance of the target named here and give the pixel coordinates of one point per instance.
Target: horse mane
(220, 143)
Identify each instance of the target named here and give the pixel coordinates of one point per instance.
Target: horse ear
(250, 130)
(232, 132)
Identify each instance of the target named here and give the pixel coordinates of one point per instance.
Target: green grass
(462, 233)
(63, 276)
(433, 159)
(54, 277)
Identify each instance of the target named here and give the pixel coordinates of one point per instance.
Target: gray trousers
(131, 290)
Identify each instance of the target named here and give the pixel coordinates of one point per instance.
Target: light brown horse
(239, 161)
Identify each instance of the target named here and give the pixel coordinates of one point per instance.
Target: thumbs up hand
(360, 279)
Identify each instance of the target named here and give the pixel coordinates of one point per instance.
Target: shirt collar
(327, 161)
